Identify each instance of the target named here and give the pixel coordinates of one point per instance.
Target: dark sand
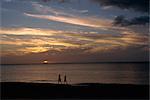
(14, 90)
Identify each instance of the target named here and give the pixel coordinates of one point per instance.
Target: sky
(74, 31)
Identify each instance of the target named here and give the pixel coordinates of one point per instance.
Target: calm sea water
(123, 73)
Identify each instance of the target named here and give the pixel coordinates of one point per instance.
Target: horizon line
(76, 63)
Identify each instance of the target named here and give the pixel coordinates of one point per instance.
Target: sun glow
(45, 62)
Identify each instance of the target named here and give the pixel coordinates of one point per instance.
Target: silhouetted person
(65, 79)
(59, 79)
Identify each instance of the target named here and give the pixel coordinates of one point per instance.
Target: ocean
(117, 73)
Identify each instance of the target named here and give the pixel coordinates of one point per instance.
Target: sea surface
(122, 73)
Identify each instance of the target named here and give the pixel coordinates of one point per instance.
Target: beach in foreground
(15, 90)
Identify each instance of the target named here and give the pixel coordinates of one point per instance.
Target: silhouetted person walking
(65, 79)
(59, 79)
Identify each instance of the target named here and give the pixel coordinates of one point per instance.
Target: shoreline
(15, 90)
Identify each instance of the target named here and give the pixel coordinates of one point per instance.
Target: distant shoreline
(76, 63)
(14, 90)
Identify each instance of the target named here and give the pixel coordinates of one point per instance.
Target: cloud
(54, 10)
(85, 21)
(75, 55)
(46, 9)
(71, 16)
(65, 46)
(27, 31)
(122, 21)
(30, 40)
(23, 41)
(137, 5)
(79, 37)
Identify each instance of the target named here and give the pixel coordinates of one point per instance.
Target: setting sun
(45, 62)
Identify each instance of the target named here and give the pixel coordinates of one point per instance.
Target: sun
(45, 62)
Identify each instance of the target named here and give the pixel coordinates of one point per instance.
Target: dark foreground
(13, 90)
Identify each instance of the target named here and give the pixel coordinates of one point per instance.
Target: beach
(24, 90)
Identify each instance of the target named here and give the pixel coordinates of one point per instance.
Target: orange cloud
(42, 40)
(27, 31)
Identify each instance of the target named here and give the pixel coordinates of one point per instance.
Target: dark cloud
(137, 5)
(122, 21)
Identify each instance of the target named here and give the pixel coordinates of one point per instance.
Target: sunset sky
(74, 31)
